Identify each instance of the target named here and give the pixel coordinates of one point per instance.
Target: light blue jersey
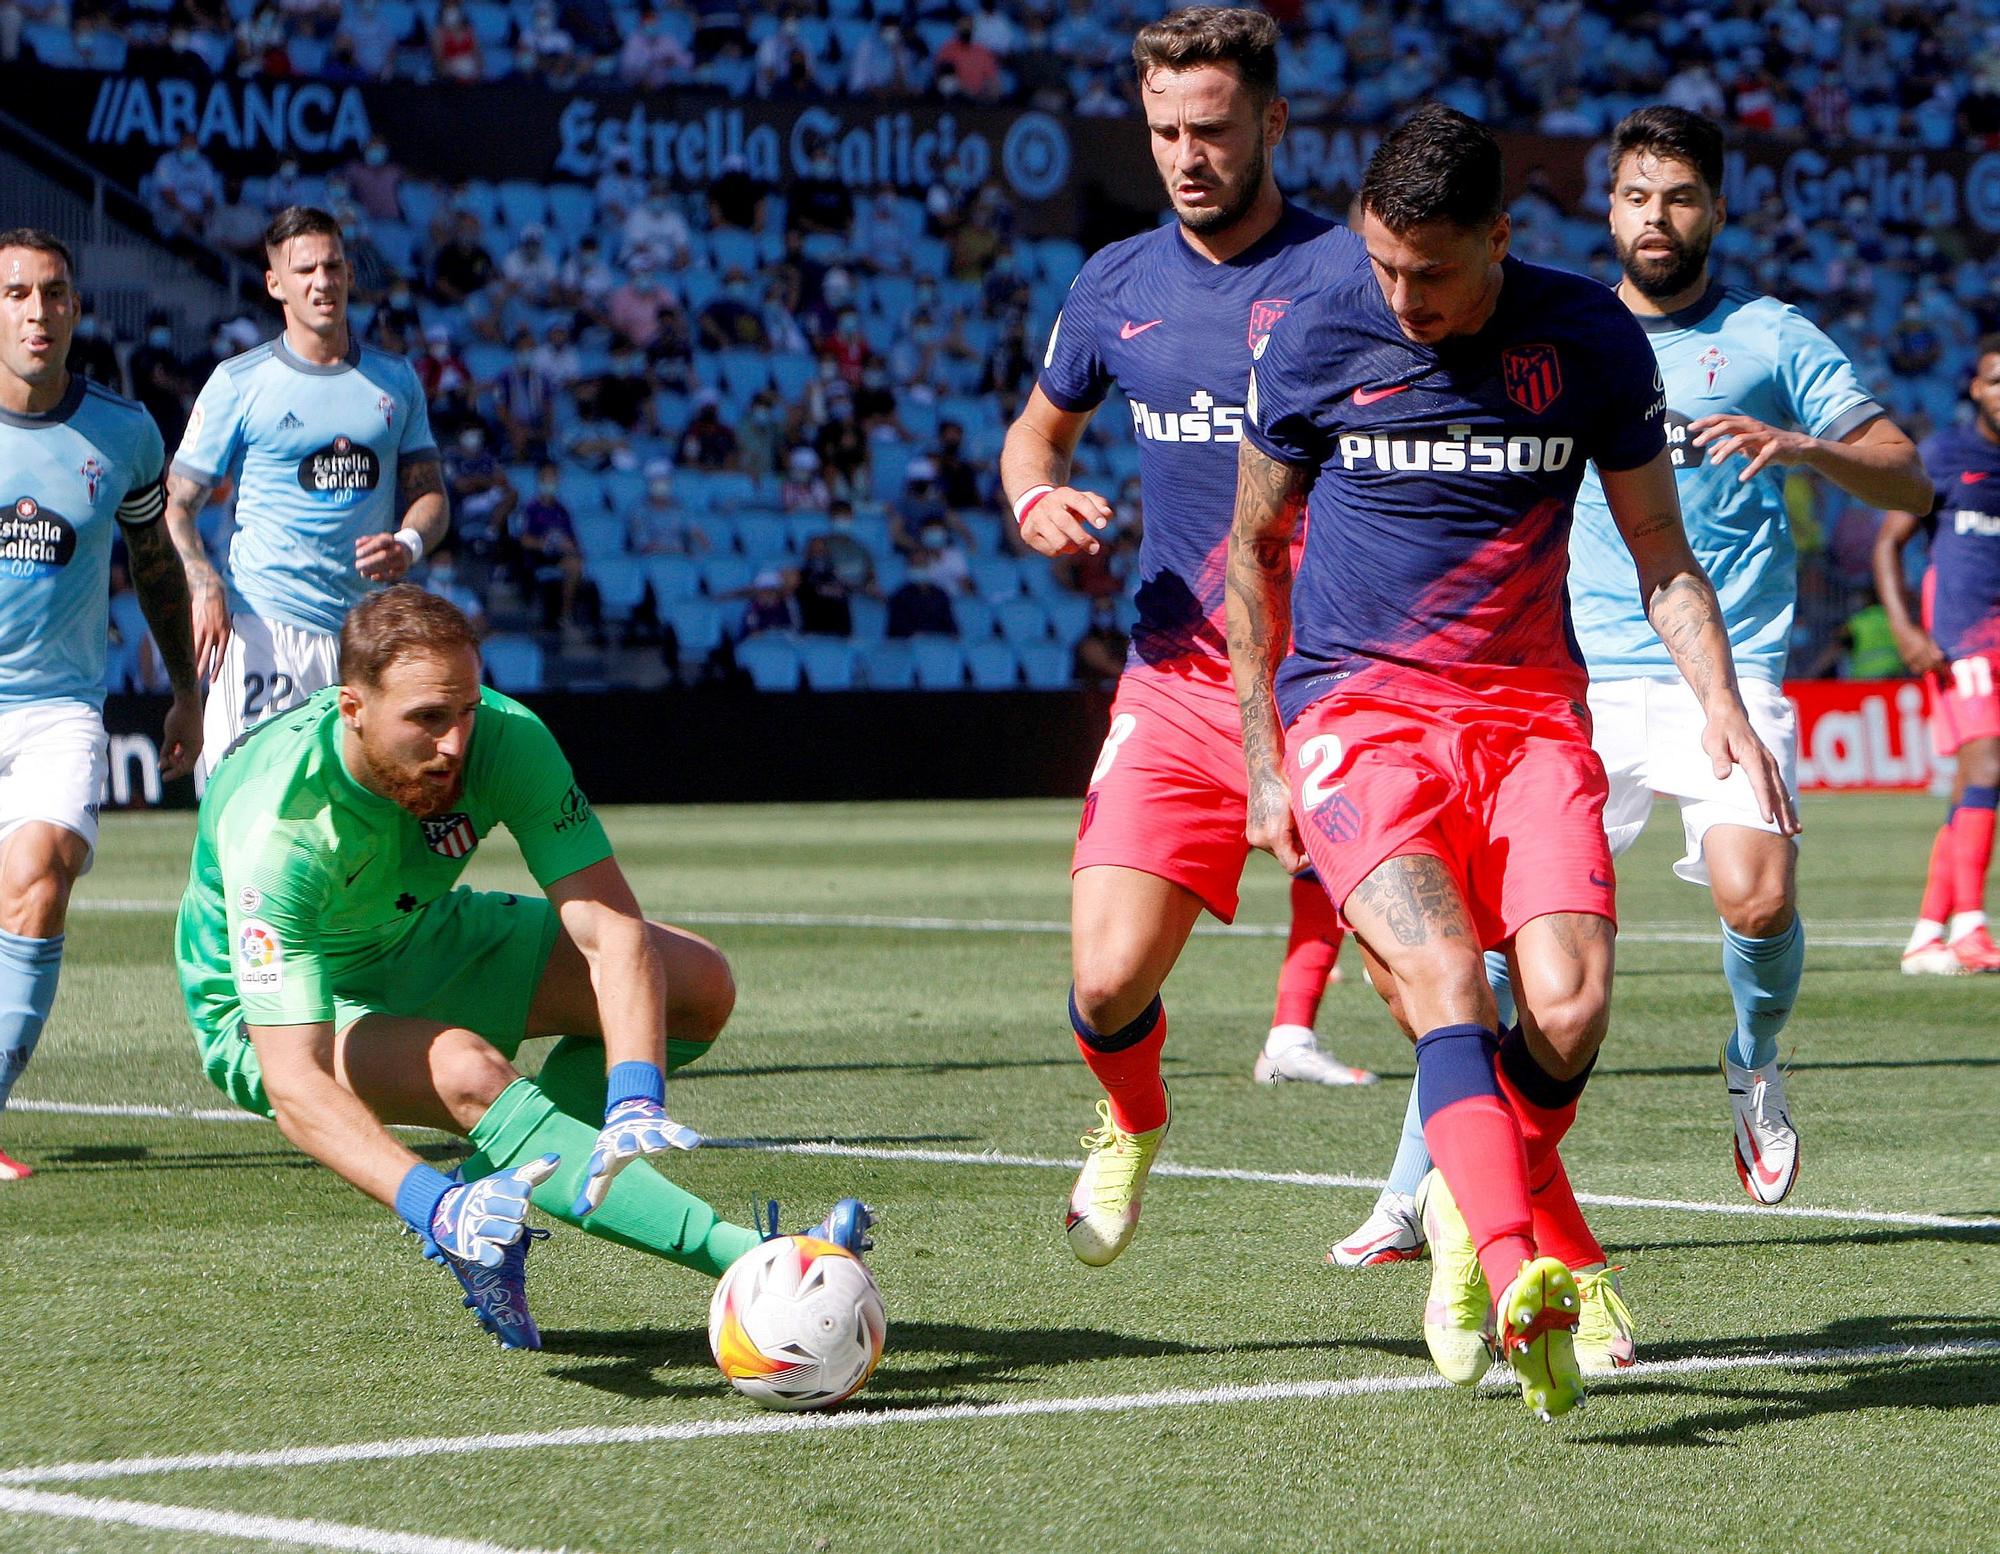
(64, 476)
(316, 452)
(1733, 352)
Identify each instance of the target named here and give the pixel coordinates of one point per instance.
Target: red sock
(1127, 1064)
(1477, 1145)
(1972, 854)
(1560, 1228)
(1941, 887)
(1310, 954)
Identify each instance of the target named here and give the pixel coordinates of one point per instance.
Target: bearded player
(337, 487)
(1172, 317)
(1752, 388)
(340, 981)
(1954, 643)
(1425, 742)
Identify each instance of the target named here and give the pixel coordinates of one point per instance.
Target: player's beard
(1670, 274)
(1212, 220)
(408, 787)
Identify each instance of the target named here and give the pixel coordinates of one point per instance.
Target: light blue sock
(1501, 980)
(28, 972)
(1763, 977)
(1413, 1155)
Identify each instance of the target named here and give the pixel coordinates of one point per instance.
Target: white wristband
(1028, 498)
(413, 542)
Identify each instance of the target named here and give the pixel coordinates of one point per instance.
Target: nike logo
(1128, 329)
(1369, 396)
(1971, 477)
(357, 873)
(1599, 880)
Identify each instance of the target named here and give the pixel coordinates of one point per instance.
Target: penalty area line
(237, 1524)
(944, 1413)
(966, 1157)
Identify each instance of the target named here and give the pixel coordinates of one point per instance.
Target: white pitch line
(1162, 1168)
(944, 1413)
(236, 1524)
(1826, 935)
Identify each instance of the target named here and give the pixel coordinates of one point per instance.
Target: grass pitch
(175, 1287)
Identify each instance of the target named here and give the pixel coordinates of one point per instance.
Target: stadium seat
(996, 578)
(888, 666)
(523, 204)
(600, 535)
(725, 575)
(871, 618)
(974, 616)
(697, 627)
(889, 465)
(1069, 617)
(621, 585)
(765, 540)
(829, 663)
(1045, 666)
(1023, 620)
(993, 666)
(939, 663)
(572, 210)
(792, 372)
(513, 662)
(771, 660)
(675, 579)
(733, 247)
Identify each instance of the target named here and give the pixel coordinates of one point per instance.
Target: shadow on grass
(626, 1362)
(911, 1066)
(78, 1159)
(1942, 1383)
(1833, 1065)
(1968, 1235)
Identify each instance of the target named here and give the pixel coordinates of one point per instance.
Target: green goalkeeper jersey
(304, 883)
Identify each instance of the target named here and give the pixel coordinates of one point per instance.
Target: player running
(338, 981)
(338, 487)
(1748, 377)
(1425, 743)
(1957, 651)
(75, 459)
(1172, 317)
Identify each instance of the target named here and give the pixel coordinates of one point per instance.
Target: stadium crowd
(753, 429)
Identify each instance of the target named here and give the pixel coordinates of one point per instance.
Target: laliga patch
(260, 959)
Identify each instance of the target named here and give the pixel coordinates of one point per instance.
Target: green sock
(573, 1073)
(643, 1210)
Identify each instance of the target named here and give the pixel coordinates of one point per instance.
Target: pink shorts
(1964, 702)
(1168, 792)
(1507, 794)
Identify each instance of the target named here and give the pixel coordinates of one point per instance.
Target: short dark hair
(1665, 131)
(1437, 165)
(1983, 347)
(299, 221)
(395, 623)
(41, 242)
(1212, 35)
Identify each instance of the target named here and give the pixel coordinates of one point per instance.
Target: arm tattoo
(1270, 496)
(186, 497)
(1417, 899)
(417, 480)
(161, 583)
(1686, 614)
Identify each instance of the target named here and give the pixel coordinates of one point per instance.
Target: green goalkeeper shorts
(473, 961)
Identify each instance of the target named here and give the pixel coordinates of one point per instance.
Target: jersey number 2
(262, 694)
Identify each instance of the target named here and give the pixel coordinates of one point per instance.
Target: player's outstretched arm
(425, 520)
(1918, 648)
(186, 497)
(1876, 462)
(602, 917)
(161, 583)
(1680, 602)
(1270, 498)
(1055, 518)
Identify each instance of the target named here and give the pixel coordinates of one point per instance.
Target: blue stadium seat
(599, 534)
(771, 660)
(482, 199)
(513, 662)
(582, 492)
(764, 540)
(871, 618)
(675, 579)
(801, 527)
(995, 578)
(733, 247)
(726, 575)
(621, 584)
(792, 372)
(889, 464)
(697, 625)
(1023, 620)
(993, 666)
(1069, 617)
(523, 204)
(829, 663)
(572, 210)
(1045, 666)
(888, 666)
(974, 616)
(940, 663)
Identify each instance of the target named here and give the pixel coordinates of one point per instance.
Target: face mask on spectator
(86, 328)
(160, 337)
(934, 536)
(376, 155)
(660, 490)
(472, 439)
(190, 155)
(288, 170)
(547, 485)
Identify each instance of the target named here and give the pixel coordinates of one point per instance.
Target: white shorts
(1648, 734)
(52, 767)
(269, 666)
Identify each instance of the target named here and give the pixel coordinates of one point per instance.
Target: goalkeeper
(339, 980)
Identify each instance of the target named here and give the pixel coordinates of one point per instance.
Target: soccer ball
(796, 1323)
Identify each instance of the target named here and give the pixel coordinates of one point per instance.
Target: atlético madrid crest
(451, 835)
(1532, 376)
(1264, 316)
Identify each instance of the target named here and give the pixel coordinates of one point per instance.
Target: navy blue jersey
(1962, 592)
(1175, 332)
(1438, 527)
